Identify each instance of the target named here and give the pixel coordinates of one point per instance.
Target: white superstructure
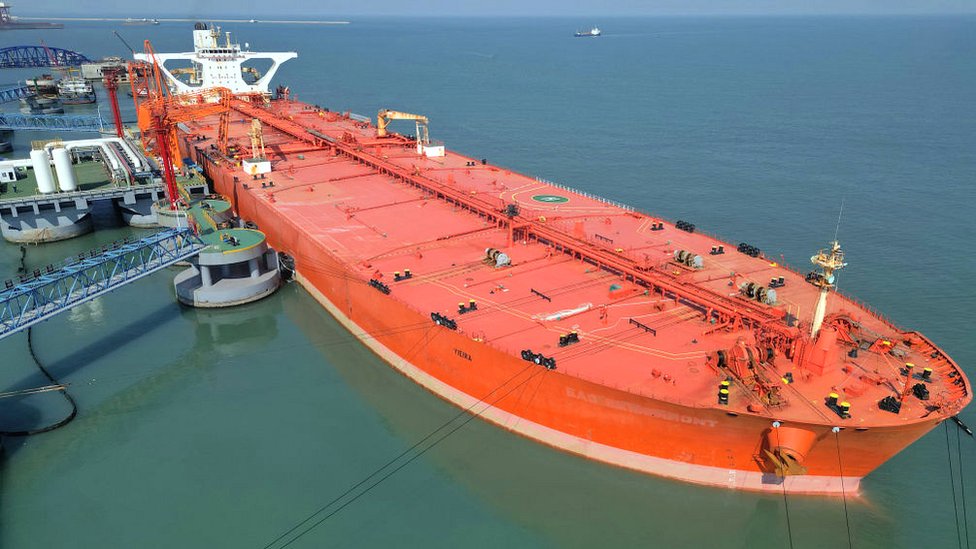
(219, 65)
(74, 85)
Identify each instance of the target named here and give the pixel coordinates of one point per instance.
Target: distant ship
(41, 105)
(43, 84)
(143, 21)
(10, 22)
(592, 33)
(75, 90)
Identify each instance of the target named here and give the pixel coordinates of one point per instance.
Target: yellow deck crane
(253, 72)
(386, 116)
(192, 71)
(257, 140)
(258, 164)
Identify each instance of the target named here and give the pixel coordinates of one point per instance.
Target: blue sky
(309, 9)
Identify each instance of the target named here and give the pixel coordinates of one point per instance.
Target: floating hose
(71, 402)
(30, 347)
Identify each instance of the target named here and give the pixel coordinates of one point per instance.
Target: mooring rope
(843, 489)
(952, 484)
(962, 487)
(467, 411)
(786, 505)
(786, 501)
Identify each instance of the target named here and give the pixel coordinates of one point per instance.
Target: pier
(228, 266)
(237, 267)
(34, 207)
(47, 292)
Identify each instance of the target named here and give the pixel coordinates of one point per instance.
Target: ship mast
(829, 261)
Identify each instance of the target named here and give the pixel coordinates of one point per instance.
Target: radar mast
(829, 261)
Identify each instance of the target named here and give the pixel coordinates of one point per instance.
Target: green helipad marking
(550, 198)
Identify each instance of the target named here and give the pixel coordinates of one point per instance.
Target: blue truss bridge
(44, 293)
(13, 92)
(22, 57)
(58, 122)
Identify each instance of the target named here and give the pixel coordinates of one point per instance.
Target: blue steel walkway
(44, 293)
(60, 122)
(13, 92)
(20, 57)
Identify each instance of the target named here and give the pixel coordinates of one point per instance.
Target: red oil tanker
(573, 320)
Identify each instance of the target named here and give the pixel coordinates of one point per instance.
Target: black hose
(58, 424)
(64, 392)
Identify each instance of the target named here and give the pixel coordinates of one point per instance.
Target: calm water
(203, 429)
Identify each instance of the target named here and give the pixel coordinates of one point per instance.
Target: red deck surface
(361, 209)
(371, 221)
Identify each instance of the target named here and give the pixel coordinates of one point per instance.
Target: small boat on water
(41, 105)
(592, 33)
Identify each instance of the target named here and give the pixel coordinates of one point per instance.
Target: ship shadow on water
(562, 498)
(222, 333)
(23, 413)
(35, 411)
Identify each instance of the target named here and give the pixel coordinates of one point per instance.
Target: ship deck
(630, 338)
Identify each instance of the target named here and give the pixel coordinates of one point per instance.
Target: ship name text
(635, 408)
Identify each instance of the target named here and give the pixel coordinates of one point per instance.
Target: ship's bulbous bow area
(784, 450)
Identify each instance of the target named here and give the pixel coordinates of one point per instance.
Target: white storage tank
(66, 174)
(42, 172)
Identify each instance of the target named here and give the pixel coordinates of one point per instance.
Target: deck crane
(257, 140)
(158, 112)
(386, 116)
(253, 72)
(50, 55)
(192, 72)
(110, 78)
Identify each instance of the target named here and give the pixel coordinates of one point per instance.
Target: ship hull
(83, 99)
(701, 445)
(30, 26)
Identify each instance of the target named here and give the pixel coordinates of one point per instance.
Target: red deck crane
(110, 78)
